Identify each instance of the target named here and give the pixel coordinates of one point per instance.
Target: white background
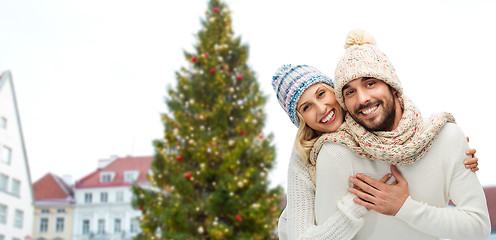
(91, 76)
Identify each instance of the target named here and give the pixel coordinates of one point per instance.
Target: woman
(308, 98)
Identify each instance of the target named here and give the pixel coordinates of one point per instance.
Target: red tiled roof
(491, 204)
(51, 186)
(119, 166)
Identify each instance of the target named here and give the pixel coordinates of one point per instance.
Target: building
(16, 194)
(490, 192)
(103, 199)
(53, 208)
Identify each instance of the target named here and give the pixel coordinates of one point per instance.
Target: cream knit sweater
(328, 212)
(298, 219)
(435, 179)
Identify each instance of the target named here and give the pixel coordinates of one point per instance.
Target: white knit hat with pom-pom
(363, 59)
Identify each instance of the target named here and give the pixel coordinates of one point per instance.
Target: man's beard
(386, 118)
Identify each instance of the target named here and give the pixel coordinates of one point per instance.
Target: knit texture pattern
(402, 146)
(298, 219)
(289, 83)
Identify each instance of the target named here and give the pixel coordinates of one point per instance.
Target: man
(385, 125)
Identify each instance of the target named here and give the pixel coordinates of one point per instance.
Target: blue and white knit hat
(289, 83)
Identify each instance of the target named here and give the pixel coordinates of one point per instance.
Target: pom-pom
(358, 37)
(281, 71)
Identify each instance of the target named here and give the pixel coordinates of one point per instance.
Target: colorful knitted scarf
(402, 146)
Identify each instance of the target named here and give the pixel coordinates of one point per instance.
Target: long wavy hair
(306, 136)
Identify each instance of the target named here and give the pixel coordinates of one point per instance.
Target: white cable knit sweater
(298, 219)
(328, 212)
(433, 180)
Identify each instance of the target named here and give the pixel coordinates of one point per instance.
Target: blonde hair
(306, 136)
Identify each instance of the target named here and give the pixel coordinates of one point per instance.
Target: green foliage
(210, 171)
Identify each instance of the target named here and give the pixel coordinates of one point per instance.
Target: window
(86, 227)
(3, 214)
(131, 176)
(134, 225)
(106, 177)
(43, 225)
(101, 226)
(103, 197)
(119, 196)
(59, 225)
(117, 225)
(60, 210)
(16, 187)
(3, 122)
(18, 219)
(4, 182)
(6, 154)
(45, 211)
(87, 197)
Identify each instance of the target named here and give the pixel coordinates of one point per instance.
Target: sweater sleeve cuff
(350, 208)
(408, 208)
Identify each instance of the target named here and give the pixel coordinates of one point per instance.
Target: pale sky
(91, 76)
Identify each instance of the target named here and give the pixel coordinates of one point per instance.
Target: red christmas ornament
(179, 158)
(140, 208)
(187, 175)
(193, 59)
(212, 71)
(239, 77)
(216, 9)
(243, 132)
(206, 54)
(239, 218)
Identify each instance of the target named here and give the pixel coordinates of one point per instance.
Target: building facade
(490, 192)
(53, 209)
(16, 194)
(103, 199)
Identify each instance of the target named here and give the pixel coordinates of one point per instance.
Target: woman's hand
(472, 162)
(379, 196)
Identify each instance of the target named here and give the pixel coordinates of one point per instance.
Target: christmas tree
(209, 176)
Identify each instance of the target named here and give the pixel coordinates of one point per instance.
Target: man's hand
(472, 162)
(378, 196)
